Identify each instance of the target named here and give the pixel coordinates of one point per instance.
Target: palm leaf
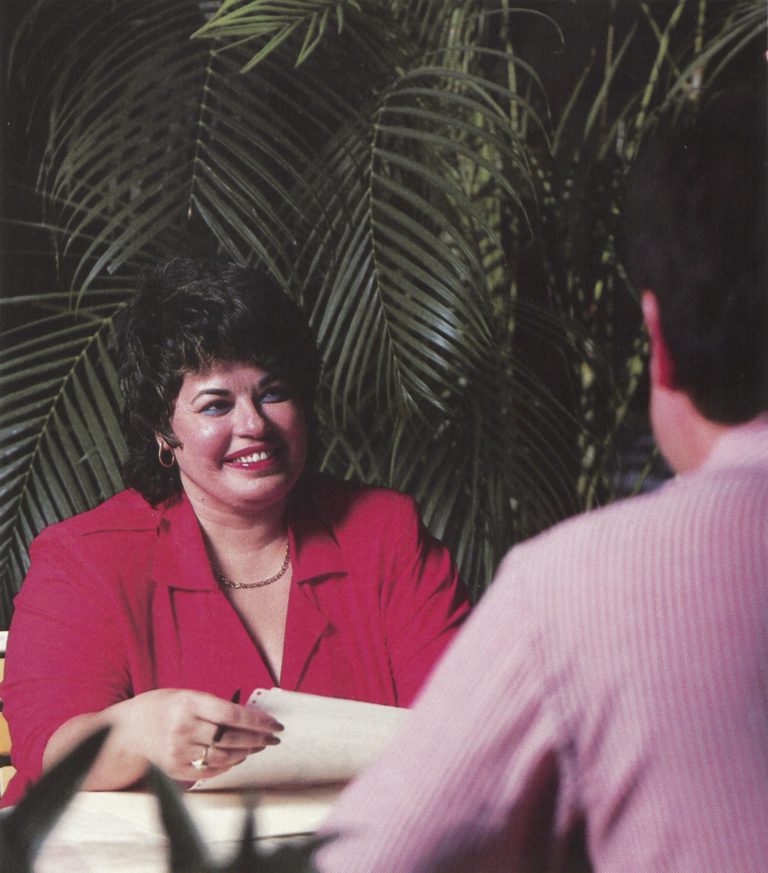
(128, 187)
(278, 21)
(60, 441)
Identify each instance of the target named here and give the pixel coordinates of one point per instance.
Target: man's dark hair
(696, 237)
(187, 314)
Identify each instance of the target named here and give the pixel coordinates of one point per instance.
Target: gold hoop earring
(163, 460)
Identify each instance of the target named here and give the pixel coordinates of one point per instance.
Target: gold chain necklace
(228, 583)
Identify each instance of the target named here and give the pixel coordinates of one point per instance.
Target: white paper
(326, 740)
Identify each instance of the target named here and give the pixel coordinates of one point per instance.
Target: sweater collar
(740, 445)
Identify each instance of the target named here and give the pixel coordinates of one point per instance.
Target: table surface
(120, 831)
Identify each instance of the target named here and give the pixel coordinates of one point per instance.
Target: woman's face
(243, 439)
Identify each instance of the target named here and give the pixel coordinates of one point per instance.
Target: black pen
(221, 729)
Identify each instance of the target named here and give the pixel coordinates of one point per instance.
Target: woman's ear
(661, 367)
(167, 438)
(166, 457)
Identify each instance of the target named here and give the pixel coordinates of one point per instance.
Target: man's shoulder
(693, 512)
(577, 537)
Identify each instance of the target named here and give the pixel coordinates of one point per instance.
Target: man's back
(653, 622)
(611, 689)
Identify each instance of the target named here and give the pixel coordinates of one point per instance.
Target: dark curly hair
(187, 314)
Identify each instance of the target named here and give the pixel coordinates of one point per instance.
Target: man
(607, 703)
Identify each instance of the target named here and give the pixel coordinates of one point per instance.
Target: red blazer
(121, 599)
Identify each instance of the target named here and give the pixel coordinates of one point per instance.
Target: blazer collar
(181, 560)
(315, 550)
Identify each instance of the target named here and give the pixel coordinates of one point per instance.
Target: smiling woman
(242, 440)
(226, 562)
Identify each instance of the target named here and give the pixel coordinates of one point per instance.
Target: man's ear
(661, 366)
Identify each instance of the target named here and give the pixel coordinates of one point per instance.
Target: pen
(221, 729)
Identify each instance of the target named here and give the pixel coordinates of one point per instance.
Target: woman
(225, 564)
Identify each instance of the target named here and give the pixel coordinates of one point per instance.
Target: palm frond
(406, 301)
(277, 21)
(60, 442)
(128, 187)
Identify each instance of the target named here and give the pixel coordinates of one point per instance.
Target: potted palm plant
(438, 183)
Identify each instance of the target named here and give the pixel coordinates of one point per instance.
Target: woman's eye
(275, 394)
(215, 407)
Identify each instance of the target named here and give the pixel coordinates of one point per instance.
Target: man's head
(696, 239)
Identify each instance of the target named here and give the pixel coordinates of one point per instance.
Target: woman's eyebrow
(268, 379)
(217, 392)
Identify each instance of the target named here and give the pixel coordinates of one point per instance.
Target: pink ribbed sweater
(608, 696)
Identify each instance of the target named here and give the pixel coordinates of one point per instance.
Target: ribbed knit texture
(610, 691)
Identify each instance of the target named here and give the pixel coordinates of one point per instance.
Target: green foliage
(439, 184)
(24, 828)
(277, 21)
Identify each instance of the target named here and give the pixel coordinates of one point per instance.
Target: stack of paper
(326, 740)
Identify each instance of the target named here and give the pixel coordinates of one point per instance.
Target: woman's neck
(239, 543)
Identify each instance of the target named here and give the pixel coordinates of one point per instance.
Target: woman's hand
(170, 728)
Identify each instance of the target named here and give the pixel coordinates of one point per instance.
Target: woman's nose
(251, 418)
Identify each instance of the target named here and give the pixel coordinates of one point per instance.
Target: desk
(120, 831)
